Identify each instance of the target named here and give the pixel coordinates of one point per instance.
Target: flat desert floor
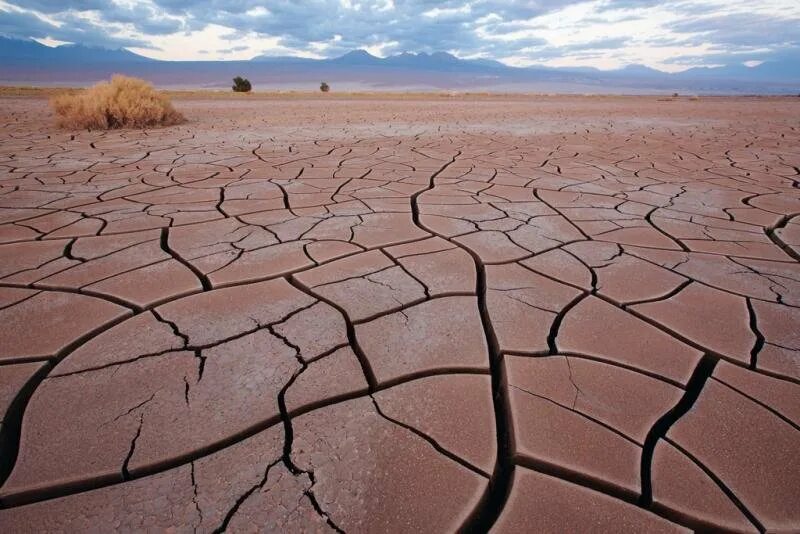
(418, 314)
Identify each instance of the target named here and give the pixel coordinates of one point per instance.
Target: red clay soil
(535, 314)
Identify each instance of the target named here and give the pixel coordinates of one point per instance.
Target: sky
(606, 34)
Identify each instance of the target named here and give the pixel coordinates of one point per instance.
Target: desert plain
(430, 313)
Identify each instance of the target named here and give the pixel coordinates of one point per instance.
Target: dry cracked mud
(509, 314)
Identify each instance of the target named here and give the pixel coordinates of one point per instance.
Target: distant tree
(324, 87)
(675, 95)
(241, 85)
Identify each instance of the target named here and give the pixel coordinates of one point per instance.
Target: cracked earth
(546, 314)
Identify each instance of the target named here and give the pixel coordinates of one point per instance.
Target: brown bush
(124, 102)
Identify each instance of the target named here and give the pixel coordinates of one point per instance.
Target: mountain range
(31, 63)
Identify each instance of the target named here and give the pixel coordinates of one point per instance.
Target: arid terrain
(403, 313)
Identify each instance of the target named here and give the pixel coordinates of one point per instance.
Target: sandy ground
(403, 313)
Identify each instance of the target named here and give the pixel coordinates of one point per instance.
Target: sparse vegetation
(241, 85)
(124, 102)
(324, 87)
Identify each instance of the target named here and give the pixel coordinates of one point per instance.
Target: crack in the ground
(480, 180)
(431, 441)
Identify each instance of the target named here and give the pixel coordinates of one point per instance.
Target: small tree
(241, 85)
(324, 87)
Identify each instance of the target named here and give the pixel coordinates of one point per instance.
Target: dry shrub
(124, 102)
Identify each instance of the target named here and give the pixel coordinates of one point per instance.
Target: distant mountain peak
(28, 49)
(357, 57)
(358, 53)
(444, 55)
(636, 67)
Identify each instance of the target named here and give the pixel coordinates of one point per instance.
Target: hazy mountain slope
(31, 62)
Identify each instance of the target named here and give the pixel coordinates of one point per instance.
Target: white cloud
(51, 42)
(213, 42)
(258, 11)
(437, 12)
(380, 49)
(647, 32)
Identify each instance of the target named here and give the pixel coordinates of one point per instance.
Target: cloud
(744, 29)
(68, 28)
(605, 33)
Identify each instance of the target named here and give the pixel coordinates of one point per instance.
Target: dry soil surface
(537, 314)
